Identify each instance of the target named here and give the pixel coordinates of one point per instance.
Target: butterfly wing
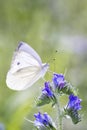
(26, 48)
(25, 69)
(23, 79)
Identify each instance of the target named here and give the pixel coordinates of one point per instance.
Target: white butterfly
(26, 68)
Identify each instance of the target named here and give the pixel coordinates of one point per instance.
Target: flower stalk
(59, 120)
(51, 93)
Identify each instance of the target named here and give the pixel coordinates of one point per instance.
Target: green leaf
(43, 99)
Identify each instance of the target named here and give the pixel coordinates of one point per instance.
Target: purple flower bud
(58, 80)
(47, 90)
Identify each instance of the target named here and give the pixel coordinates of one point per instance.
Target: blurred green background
(47, 25)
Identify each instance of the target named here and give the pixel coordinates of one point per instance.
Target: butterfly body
(26, 68)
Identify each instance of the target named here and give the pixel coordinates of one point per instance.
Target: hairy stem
(59, 122)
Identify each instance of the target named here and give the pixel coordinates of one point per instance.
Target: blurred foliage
(41, 23)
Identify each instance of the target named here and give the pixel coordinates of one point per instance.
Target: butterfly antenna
(52, 56)
(53, 59)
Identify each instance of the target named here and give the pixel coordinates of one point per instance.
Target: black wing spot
(18, 63)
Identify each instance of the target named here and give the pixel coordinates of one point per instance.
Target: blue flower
(42, 120)
(59, 81)
(47, 90)
(74, 103)
(73, 107)
(47, 95)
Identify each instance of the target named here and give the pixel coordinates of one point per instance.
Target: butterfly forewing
(28, 49)
(22, 60)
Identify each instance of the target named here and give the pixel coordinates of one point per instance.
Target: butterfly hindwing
(23, 78)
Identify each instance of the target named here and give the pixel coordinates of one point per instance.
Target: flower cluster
(58, 86)
(61, 85)
(74, 105)
(47, 90)
(47, 95)
(43, 121)
(59, 81)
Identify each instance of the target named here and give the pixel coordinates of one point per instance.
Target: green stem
(59, 124)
